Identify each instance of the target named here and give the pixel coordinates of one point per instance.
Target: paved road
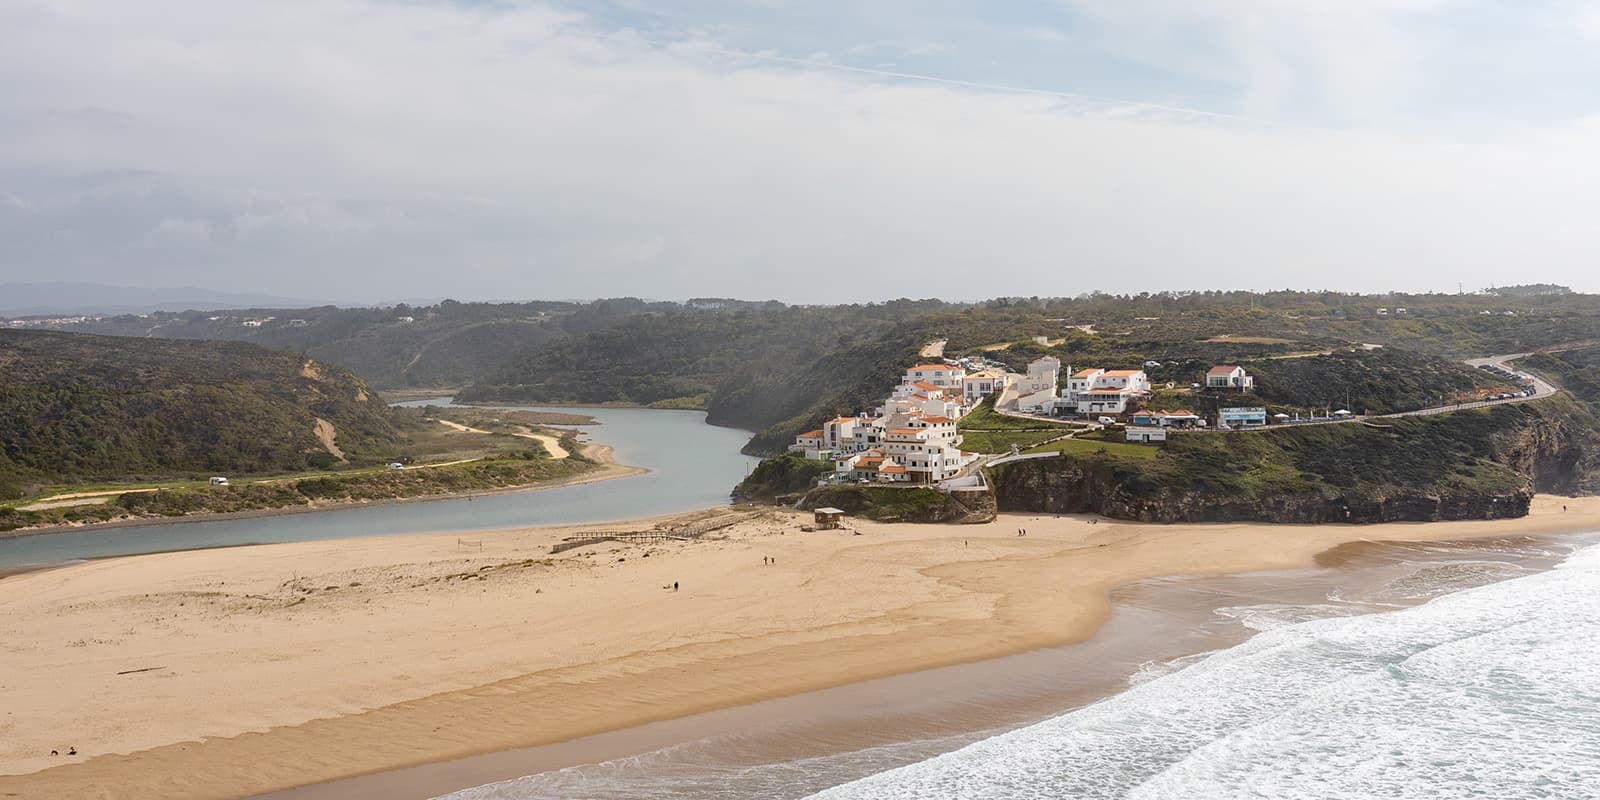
(1541, 388)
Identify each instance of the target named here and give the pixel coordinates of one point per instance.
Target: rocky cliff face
(1557, 454)
(904, 504)
(1066, 486)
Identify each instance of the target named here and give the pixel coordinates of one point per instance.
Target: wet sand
(289, 664)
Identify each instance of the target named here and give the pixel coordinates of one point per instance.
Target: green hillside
(75, 407)
(446, 344)
(1464, 465)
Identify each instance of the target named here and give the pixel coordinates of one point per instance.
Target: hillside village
(914, 437)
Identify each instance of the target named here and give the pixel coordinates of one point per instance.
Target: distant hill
(442, 345)
(39, 299)
(79, 407)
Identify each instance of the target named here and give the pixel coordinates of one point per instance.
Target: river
(693, 465)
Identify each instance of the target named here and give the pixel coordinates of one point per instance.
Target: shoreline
(1155, 625)
(738, 635)
(608, 469)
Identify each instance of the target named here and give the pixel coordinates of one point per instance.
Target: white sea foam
(1489, 692)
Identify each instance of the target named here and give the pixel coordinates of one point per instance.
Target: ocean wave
(1487, 692)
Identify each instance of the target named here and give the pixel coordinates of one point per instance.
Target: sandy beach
(228, 673)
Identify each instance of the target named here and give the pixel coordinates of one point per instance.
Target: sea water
(1484, 691)
(1487, 692)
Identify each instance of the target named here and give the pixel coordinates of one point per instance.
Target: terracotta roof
(932, 387)
(842, 419)
(937, 420)
(1220, 371)
(810, 435)
(1180, 413)
(906, 431)
(1122, 373)
(893, 468)
(940, 367)
(1085, 373)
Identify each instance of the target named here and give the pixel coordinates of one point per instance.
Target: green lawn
(984, 418)
(1001, 441)
(1088, 446)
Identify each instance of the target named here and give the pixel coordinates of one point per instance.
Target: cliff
(1484, 464)
(903, 504)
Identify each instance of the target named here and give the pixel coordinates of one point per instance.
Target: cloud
(372, 148)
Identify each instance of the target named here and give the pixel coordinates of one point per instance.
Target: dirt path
(933, 349)
(990, 348)
(551, 443)
(46, 505)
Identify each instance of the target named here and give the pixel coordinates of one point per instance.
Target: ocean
(1489, 692)
(1490, 689)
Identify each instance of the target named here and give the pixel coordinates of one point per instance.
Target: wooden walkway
(693, 530)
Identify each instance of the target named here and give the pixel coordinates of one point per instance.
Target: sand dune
(226, 673)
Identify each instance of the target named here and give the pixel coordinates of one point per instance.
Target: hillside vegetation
(81, 407)
(1465, 465)
(447, 344)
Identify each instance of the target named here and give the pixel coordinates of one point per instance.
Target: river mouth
(692, 465)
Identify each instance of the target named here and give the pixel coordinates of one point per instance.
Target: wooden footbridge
(692, 530)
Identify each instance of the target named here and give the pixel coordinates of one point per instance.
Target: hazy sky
(809, 150)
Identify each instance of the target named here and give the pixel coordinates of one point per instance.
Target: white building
(839, 434)
(1144, 435)
(926, 398)
(1036, 391)
(1229, 377)
(1099, 391)
(928, 447)
(809, 445)
(941, 375)
(980, 384)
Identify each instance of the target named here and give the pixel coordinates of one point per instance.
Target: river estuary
(693, 465)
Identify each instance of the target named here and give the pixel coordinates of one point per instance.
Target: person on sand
(72, 751)
(674, 586)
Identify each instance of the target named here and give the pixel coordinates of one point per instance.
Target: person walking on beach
(674, 586)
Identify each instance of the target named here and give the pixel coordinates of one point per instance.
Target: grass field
(1001, 441)
(1089, 446)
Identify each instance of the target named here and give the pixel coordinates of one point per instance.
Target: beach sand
(228, 673)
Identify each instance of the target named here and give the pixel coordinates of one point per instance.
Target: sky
(814, 151)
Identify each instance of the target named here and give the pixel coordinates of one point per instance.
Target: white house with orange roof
(871, 465)
(809, 445)
(839, 433)
(1101, 391)
(921, 415)
(929, 448)
(926, 398)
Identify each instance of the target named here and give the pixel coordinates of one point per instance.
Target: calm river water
(694, 465)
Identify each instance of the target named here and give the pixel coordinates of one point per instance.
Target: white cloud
(520, 150)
